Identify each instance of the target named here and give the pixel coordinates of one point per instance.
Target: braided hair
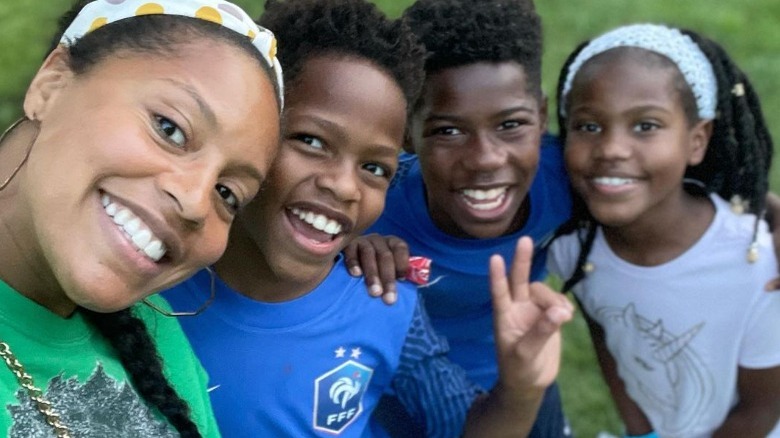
(127, 334)
(137, 351)
(738, 157)
(349, 28)
(462, 32)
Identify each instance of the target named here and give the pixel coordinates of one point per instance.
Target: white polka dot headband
(669, 42)
(101, 12)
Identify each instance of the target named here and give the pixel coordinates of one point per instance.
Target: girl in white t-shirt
(659, 127)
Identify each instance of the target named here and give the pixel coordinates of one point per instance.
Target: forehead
(220, 89)
(335, 78)
(483, 84)
(624, 80)
(623, 60)
(347, 91)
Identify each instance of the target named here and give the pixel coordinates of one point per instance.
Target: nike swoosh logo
(213, 388)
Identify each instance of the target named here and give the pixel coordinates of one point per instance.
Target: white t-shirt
(678, 331)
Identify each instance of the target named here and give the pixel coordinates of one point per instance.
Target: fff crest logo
(338, 396)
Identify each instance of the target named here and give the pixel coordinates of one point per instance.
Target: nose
(341, 180)
(191, 189)
(613, 145)
(485, 154)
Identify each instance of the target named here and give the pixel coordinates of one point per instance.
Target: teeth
(155, 250)
(486, 199)
(613, 181)
(111, 209)
(332, 228)
(481, 195)
(123, 216)
(142, 239)
(318, 221)
(133, 226)
(138, 232)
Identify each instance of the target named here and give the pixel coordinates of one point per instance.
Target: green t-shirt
(78, 372)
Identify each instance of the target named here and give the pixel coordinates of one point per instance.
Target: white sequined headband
(102, 12)
(671, 43)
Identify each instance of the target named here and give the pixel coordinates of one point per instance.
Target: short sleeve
(760, 346)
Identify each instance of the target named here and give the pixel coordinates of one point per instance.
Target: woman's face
(140, 166)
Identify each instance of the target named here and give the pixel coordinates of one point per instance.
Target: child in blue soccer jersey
(293, 344)
(479, 178)
(660, 128)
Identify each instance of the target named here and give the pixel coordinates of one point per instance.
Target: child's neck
(663, 235)
(246, 270)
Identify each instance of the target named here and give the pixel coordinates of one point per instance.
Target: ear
(53, 76)
(543, 116)
(699, 139)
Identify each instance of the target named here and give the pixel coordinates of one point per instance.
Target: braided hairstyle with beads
(739, 153)
(351, 28)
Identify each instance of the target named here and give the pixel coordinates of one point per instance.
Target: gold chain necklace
(25, 380)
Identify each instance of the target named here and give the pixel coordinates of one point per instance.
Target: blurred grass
(748, 29)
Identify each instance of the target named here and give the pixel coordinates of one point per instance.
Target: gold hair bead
(752, 254)
(738, 90)
(739, 205)
(588, 267)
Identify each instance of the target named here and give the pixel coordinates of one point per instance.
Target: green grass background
(749, 29)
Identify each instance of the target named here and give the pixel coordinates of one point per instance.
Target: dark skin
(385, 259)
(624, 119)
(773, 218)
(756, 413)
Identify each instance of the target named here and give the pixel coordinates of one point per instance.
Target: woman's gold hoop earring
(26, 155)
(198, 311)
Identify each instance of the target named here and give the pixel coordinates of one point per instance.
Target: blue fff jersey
(313, 366)
(458, 301)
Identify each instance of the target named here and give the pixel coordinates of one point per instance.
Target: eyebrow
(204, 107)
(433, 117)
(329, 126)
(341, 136)
(245, 168)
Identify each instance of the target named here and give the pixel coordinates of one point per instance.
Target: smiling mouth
(484, 199)
(136, 231)
(613, 181)
(328, 228)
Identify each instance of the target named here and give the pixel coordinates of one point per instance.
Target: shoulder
(180, 364)
(563, 254)
(165, 330)
(357, 299)
(741, 230)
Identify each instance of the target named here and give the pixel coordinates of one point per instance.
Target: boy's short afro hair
(462, 32)
(310, 28)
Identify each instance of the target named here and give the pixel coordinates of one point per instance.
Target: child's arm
(758, 409)
(635, 421)
(773, 218)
